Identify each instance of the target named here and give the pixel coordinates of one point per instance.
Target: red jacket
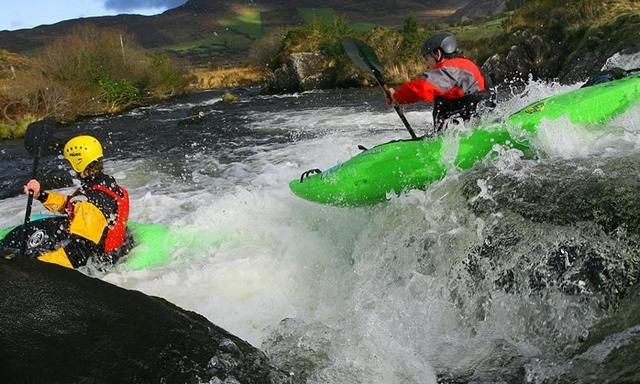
(451, 79)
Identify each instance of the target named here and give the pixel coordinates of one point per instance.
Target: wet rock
(530, 57)
(302, 349)
(59, 325)
(550, 55)
(566, 192)
(566, 226)
(302, 71)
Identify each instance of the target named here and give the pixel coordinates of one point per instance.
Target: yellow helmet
(82, 151)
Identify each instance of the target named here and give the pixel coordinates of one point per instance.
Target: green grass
(362, 26)
(487, 29)
(310, 14)
(247, 23)
(225, 39)
(240, 33)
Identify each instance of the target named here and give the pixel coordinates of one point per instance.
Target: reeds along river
(515, 271)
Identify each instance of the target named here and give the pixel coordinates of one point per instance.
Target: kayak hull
(398, 166)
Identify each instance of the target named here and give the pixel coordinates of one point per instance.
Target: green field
(249, 24)
(240, 32)
(236, 36)
(486, 29)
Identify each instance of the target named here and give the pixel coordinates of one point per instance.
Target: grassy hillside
(243, 27)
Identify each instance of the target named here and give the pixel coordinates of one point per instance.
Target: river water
(515, 271)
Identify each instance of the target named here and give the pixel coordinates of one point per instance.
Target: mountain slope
(201, 29)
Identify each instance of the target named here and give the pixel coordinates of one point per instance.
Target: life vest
(457, 87)
(471, 105)
(465, 107)
(116, 232)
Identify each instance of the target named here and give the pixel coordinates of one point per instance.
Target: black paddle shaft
(366, 59)
(36, 140)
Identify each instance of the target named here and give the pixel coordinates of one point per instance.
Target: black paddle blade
(38, 137)
(364, 57)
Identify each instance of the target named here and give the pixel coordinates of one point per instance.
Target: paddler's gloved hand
(33, 185)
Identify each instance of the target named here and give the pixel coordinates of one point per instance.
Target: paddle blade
(363, 56)
(38, 137)
(366, 59)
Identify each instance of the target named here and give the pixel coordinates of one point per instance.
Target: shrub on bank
(89, 71)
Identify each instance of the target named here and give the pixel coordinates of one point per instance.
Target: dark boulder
(553, 54)
(302, 71)
(59, 325)
(594, 200)
(531, 57)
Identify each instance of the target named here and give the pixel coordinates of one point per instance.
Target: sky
(19, 14)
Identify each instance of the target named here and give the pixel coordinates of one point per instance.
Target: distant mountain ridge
(199, 20)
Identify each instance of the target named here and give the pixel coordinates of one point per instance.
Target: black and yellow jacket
(95, 209)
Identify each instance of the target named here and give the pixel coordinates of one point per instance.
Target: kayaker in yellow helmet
(97, 211)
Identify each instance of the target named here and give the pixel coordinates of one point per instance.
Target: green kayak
(149, 245)
(398, 166)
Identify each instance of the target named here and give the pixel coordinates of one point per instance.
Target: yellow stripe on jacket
(88, 221)
(58, 256)
(56, 202)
